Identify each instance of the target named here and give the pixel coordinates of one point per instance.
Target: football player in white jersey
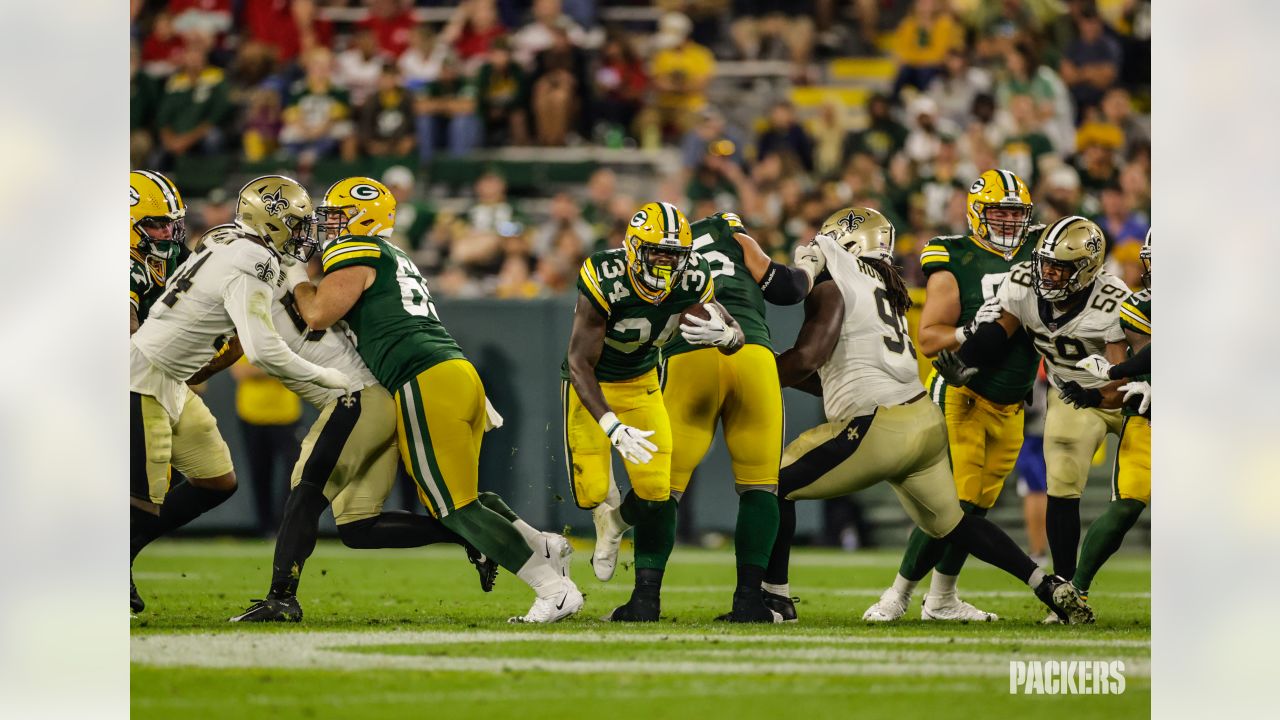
(224, 289)
(1070, 308)
(855, 351)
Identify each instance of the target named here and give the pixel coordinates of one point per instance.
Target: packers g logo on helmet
(1073, 247)
(862, 231)
(658, 244)
(155, 209)
(999, 189)
(357, 206)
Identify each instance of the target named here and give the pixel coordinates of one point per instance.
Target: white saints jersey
(873, 363)
(1066, 338)
(332, 348)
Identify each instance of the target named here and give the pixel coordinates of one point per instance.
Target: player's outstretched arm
(586, 342)
(324, 304)
(940, 314)
(823, 317)
(987, 345)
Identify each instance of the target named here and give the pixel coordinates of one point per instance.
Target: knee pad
(355, 534)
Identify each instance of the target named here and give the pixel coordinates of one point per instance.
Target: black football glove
(1072, 392)
(953, 370)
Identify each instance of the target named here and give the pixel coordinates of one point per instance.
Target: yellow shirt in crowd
(263, 400)
(691, 60)
(919, 46)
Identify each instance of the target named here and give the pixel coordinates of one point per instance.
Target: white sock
(904, 586)
(1037, 577)
(531, 536)
(943, 584)
(538, 574)
(784, 589)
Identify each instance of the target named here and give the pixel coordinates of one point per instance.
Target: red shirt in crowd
(392, 31)
(472, 42)
(271, 22)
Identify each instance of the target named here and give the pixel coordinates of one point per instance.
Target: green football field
(408, 634)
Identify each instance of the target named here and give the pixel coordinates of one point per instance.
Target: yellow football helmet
(278, 209)
(659, 243)
(1074, 246)
(1145, 256)
(356, 206)
(157, 215)
(999, 189)
(862, 231)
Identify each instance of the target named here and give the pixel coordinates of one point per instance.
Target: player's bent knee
(356, 534)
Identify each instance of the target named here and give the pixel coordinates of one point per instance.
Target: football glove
(1138, 389)
(336, 380)
(295, 273)
(953, 370)
(809, 258)
(492, 419)
(629, 441)
(1097, 366)
(1079, 396)
(989, 312)
(713, 331)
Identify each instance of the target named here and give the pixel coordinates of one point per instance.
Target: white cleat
(556, 603)
(1051, 619)
(888, 608)
(556, 550)
(950, 607)
(604, 559)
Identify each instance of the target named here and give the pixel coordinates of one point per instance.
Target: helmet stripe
(1010, 181)
(669, 212)
(1051, 237)
(166, 188)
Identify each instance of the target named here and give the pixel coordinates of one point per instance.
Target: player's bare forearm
(756, 259)
(1116, 352)
(740, 338)
(585, 345)
(940, 314)
(811, 385)
(1136, 340)
(1112, 398)
(224, 359)
(823, 317)
(328, 302)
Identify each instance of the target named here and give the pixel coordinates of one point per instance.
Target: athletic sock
(183, 503)
(784, 589)
(1062, 526)
(491, 534)
(941, 584)
(530, 534)
(921, 555)
(903, 586)
(1104, 538)
(297, 539)
(982, 539)
(953, 557)
(634, 510)
(396, 529)
(655, 537)
(757, 528)
(780, 557)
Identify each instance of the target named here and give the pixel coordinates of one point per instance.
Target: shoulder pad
(253, 259)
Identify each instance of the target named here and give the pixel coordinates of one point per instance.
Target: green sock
(635, 511)
(757, 527)
(923, 552)
(491, 534)
(952, 556)
(495, 503)
(655, 537)
(1104, 538)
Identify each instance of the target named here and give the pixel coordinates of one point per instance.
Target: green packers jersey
(635, 329)
(148, 274)
(398, 332)
(979, 272)
(735, 289)
(1135, 316)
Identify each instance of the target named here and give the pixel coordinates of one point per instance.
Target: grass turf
(407, 633)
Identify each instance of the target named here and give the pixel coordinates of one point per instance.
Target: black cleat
(1064, 600)
(135, 600)
(272, 609)
(485, 566)
(638, 609)
(784, 606)
(749, 607)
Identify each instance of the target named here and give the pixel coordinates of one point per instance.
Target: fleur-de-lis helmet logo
(851, 222)
(273, 203)
(1094, 243)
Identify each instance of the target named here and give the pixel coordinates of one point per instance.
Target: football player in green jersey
(440, 401)
(157, 231)
(984, 418)
(630, 305)
(1131, 473)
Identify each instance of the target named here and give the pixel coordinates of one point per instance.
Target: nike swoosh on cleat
(547, 548)
(562, 600)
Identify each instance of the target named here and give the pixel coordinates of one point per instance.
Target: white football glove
(295, 273)
(492, 419)
(629, 441)
(336, 380)
(714, 331)
(809, 258)
(989, 312)
(1138, 387)
(1097, 366)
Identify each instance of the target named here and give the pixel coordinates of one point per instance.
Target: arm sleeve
(1139, 364)
(985, 347)
(784, 285)
(248, 302)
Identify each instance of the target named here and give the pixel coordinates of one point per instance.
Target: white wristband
(961, 335)
(609, 422)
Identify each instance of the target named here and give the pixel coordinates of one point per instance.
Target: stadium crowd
(1057, 91)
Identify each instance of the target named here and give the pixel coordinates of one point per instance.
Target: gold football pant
(192, 445)
(1071, 437)
(637, 402)
(984, 439)
(703, 387)
(439, 424)
(352, 452)
(905, 445)
(1131, 475)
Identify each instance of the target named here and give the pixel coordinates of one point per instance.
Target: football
(698, 310)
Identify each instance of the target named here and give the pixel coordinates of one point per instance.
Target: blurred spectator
(420, 64)
(1096, 162)
(391, 23)
(1026, 146)
(1118, 220)
(515, 280)
(785, 135)
(1024, 74)
(144, 99)
(269, 420)
(1091, 62)
(414, 216)
(317, 117)
(1061, 195)
(501, 97)
(773, 29)
(711, 127)
(263, 120)
(601, 188)
(540, 34)
(445, 114)
(492, 212)
(1117, 111)
(195, 104)
(218, 208)
(681, 71)
(385, 120)
(1123, 262)
(828, 130)
(925, 136)
(1003, 24)
(955, 89)
(162, 48)
(358, 68)
(288, 27)
(556, 275)
(472, 30)
(921, 43)
(619, 88)
(565, 217)
(211, 18)
(883, 135)
(558, 85)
